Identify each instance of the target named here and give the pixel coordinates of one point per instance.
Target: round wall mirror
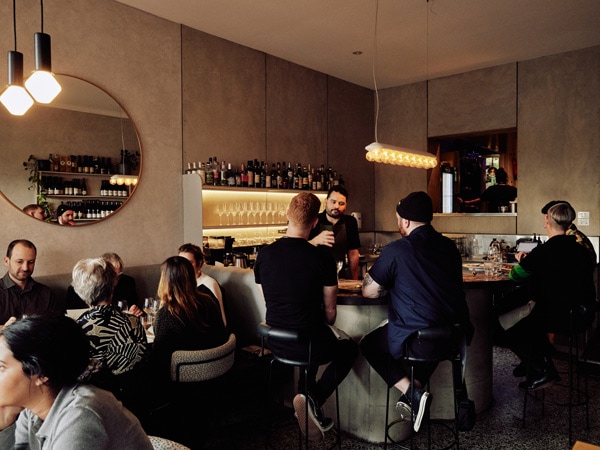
(80, 154)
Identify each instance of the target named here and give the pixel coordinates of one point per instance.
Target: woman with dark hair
(41, 358)
(186, 320)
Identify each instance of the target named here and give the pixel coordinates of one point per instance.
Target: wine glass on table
(340, 266)
(123, 306)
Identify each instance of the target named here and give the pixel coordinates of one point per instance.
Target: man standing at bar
(422, 272)
(337, 230)
(19, 293)
(299, 283)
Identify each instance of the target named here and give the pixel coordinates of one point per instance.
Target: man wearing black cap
(64, 215)
(581, 238)
(422, 272)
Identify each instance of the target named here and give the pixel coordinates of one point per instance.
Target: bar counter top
(470, 281)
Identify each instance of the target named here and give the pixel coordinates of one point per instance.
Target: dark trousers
(375, 348)
(338, 354)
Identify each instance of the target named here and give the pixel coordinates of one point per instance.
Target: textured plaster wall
(135, 57)
(559, 136)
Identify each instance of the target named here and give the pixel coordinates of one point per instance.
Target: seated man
(65, 215)
(560, 273)
(19, 293)
(205, 283)
(299, 283)
(422, 272)
(35, 211)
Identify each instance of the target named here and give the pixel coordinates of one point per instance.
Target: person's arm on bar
(353, 258)
(372, 289)
(330, 301)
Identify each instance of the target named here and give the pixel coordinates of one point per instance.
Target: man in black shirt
(337, 230)
(19, 293)
(299, 283)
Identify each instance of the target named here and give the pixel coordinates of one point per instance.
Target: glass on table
(150, 305)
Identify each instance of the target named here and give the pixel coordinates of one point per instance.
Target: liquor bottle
(83, 187)
(202, 172)
(194, 168)
(271, 180)
(278, 177)
(290, 176)
(305, 185)
(250, 172)
(244, 175)
(223, 174)
(237, 175)
(209, 172)
(263, 174)
(79, 164)
(189, 168)
(216, 172)
(230, 176)
(298, 177)
(257, 173)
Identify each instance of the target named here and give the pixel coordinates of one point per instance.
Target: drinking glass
(123, 306)
(340, 266)
(150, 305)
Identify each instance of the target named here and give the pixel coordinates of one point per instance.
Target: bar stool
(282, 335)
(433, 345)
(579, 324)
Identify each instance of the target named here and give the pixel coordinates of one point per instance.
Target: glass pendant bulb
(15, 98)
(41, 84)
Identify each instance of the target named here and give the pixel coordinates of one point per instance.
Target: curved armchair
(192, 366)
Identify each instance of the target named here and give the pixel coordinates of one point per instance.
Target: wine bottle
(250, 172)
(244, 175)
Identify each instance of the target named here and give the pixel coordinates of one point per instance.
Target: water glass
(488, 268)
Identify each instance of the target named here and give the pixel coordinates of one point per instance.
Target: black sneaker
(421, 400)
(316, 414)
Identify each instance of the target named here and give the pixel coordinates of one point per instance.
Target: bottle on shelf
(209, 172)
(243, 175)
(202, 172)
(83, 187)
(257, 173)
(230, 176)
(250, 171)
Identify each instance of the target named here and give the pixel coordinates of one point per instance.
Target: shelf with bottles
(91, 210)
(73, 185)
(239, 208)
(257, 175)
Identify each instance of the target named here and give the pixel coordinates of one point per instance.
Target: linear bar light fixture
(15, 97)
(42, 84)
(391, 154)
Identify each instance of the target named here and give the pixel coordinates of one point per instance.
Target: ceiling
(416, 39)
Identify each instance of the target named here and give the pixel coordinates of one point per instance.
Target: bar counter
(363, 392)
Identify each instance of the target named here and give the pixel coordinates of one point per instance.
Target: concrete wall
(558, 123)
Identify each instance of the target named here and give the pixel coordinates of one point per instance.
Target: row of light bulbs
(41, 84)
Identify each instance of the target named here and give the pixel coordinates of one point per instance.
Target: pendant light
(42, 84)
(15, 98)
(391, 154)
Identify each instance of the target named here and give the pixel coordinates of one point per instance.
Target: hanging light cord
(42, 14)
(15, 22)
(374, 69)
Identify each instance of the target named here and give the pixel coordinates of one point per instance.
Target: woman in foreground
(42, 406)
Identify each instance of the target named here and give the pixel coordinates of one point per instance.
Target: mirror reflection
(478, 172)
(78, 158)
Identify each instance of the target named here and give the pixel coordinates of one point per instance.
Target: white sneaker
(314, 431)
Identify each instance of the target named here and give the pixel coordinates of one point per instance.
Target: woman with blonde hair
(187, 319)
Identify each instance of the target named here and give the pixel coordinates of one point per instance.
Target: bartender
(338, 230)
